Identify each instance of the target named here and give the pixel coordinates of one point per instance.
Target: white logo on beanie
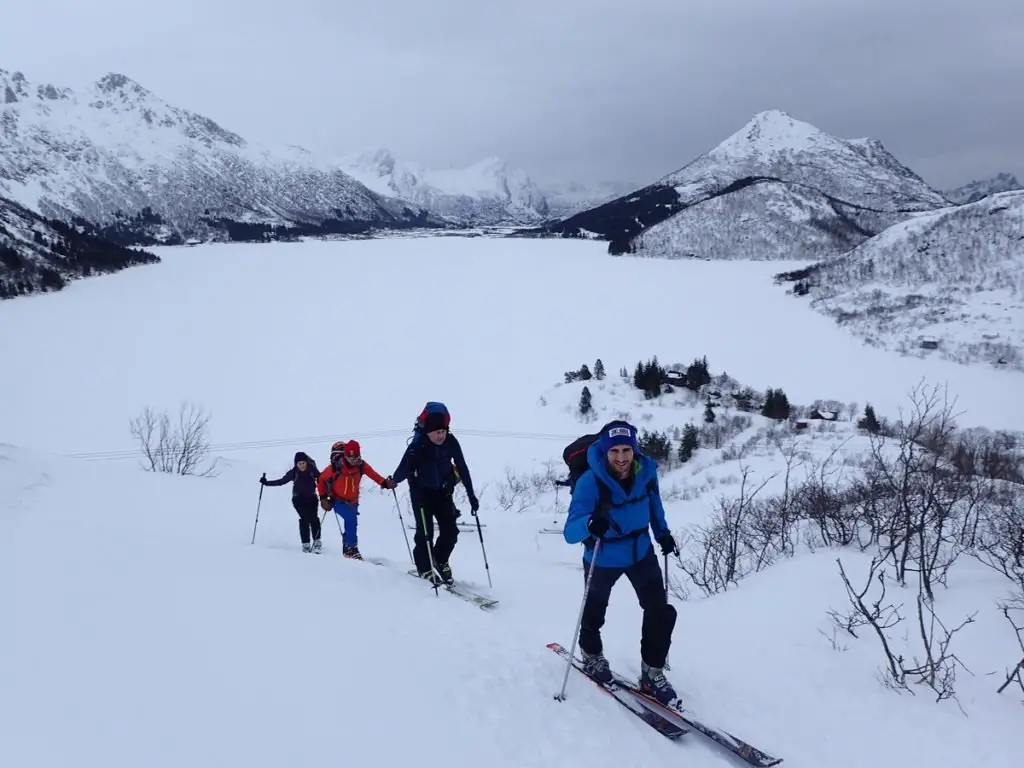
(620, 432)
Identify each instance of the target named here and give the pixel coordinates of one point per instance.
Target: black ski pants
(429, 506)
(308, 508)
(659, 615)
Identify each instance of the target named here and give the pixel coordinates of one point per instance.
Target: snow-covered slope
(571, 197)
(486, 193)
(948, 283)
(117, 149)
(38, 254)
(975, 190)
(778, 188)
(145, 628)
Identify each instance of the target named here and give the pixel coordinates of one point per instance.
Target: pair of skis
(672, 721)
(461, 591)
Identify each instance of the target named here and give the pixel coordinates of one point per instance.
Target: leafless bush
(934, 665)
(724, 551)
(520, 491)
(1013, 610)
(926, 501)
(998, 539)
(181, 447)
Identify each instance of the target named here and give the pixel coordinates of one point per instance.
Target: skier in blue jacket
(617, 500)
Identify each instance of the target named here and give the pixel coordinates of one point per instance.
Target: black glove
(668, 544)
(474, 505)
(263, 479)
(598, 526)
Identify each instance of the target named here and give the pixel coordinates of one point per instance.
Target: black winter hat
(434, 421)
(301, 456)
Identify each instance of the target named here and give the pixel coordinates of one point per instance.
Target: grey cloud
(587, 89)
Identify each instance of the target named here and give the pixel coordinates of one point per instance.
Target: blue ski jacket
(633, 514)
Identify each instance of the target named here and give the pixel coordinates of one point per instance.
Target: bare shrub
(1013, 610)
(181, 447)
(520, 491)
(724, 551)
(926, 501)
(934, 665)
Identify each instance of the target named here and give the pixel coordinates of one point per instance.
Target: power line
(250, 445)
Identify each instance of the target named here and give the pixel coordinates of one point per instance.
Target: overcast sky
(580, 89)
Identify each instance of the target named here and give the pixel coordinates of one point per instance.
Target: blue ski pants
(349, 514)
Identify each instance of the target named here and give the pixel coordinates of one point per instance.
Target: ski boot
(654, 684)
(596, 665)
(306, 547)
(317, 546)
(445, 571)
(351, 552)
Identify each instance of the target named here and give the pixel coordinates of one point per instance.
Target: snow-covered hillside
(486, 193)
(38, 254)
(948, 283)
(975, 190)
(137, 602)
(569, 198)
(778, 188)
(112, 152)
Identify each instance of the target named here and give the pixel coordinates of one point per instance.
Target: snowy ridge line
(257, 444)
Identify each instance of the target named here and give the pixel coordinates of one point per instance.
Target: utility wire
(251, 445)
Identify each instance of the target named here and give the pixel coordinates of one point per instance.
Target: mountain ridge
(860, 176)
(115, 148)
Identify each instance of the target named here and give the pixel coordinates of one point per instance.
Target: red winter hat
(352, 449)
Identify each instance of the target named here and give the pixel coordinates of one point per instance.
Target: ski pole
(480, 533)
(430, 548)
(262, 486)
(579, 622)
(402, 523)
(667, 665)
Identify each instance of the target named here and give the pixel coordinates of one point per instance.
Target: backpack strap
(605, 505)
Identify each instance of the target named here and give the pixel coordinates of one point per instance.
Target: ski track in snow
(148, 631)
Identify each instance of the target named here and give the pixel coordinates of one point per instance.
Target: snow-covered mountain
(569, 198)
(949, 282)
(778, 188)
(110, 152)
(486, 193)
(975, 190)
(37, 254)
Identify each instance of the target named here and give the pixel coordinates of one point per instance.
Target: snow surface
(147, 629)
(956, 274)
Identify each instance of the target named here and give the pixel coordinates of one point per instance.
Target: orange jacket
(343, 485)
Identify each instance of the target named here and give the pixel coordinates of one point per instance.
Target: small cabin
(928, 342)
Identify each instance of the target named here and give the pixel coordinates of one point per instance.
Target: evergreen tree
(690, 442)
(656, 445)
(584, 373)
(709, 413)
(776, 405)
(870, 421)
(586, 406)
(697, 374)
(599, 373)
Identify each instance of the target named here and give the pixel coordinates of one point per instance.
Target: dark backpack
(575, 458)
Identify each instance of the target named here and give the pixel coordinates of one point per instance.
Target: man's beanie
(618, 433)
